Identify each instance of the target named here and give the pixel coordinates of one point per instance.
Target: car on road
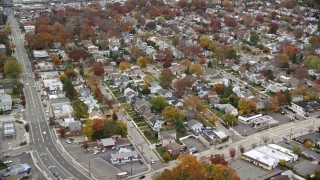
(68, 141)
(220, 147)
(27, 84)
(34, 86)
(44, 132)
(142, 177)
(7, 161)
(226, 145)
(104, 150)
(55, 174)
(140, 161)
(152, 161)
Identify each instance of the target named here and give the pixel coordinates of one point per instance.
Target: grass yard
(152, 136)
(217, 112)
(256, 86)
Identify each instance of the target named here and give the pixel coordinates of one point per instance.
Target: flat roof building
(9, 130)
(268, 156)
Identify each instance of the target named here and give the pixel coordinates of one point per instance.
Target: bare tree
(242, 149)
(265, 139)
(232, 153)
(62, 132)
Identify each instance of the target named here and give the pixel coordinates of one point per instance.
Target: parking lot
(193, 142)
(23, 158)
(246, 170)
(130, 167)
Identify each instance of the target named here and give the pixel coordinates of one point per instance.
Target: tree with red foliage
(98, 69)
(259, 18)
(215, 25)
(230, 21)
(77, 54)
(298, 33)
(166, 64)
(282, 100)
(62, 131)
(218, 159)
(242, 149)
(290, 50)
(273, 28)
(27, 127)
(85, 146)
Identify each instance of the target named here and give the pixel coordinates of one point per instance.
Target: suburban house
(142, 106)
(107, 142)
(61, 107)
(153, 121)
(129, 94)
(276, 88)
(164, 92)
(5, 101)
(167, 137)
(194, 125)
(174, 148)
(75, 128)
(227, 108)
(46, 66)
(49, 75)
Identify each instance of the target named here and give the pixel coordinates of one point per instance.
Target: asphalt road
(43, 144)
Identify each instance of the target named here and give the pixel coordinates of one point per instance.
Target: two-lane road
(43, 142)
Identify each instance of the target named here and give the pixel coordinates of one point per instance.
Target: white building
(5, 101)
(53, 84)
(268, 156)
(194, 125)
(29, 29)
(247, 118)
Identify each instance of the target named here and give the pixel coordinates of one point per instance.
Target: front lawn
(152, 136)
(256, 86)
(218, 113)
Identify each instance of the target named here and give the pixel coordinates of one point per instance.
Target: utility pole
(290, 133)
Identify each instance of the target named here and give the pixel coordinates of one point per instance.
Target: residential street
(42, 142)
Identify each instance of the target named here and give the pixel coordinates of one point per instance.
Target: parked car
(221, 147)
(68, 141)
(142, 177)
(152, 161)
(7, 162)
(140, 161)
(6, 155)
(103, 150)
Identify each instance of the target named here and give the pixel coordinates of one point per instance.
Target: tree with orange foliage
(70, 73)
(290, 50)
(218, 88)
(55, 59)
(246, 105)
(202, 61)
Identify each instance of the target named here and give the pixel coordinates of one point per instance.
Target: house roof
(108, 142)
(74, 126)
(174, 146)
(168, 134)
(193, 122)
(124, 155)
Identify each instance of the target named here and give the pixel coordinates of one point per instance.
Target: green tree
(210, 64)
(68, 87)
(229, 118)
(254, 38)
(288, 96)
(308, 144)
(121, 128)
(166, 78)
(12, 67)
(297, 150)
(80, 109)
(159, 103)
(231, 53)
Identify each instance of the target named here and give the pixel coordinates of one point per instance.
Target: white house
(194, 125)
(5, 101)
(154, 87)
(53, 84)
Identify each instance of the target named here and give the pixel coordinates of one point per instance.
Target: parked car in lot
(6, 155)
(140, 161)
(7, 162)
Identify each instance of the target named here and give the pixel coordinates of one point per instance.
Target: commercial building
(248, 118)
(9, 130)
(268, 156)
(124, 157)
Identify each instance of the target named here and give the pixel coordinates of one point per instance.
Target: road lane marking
(58, 162)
